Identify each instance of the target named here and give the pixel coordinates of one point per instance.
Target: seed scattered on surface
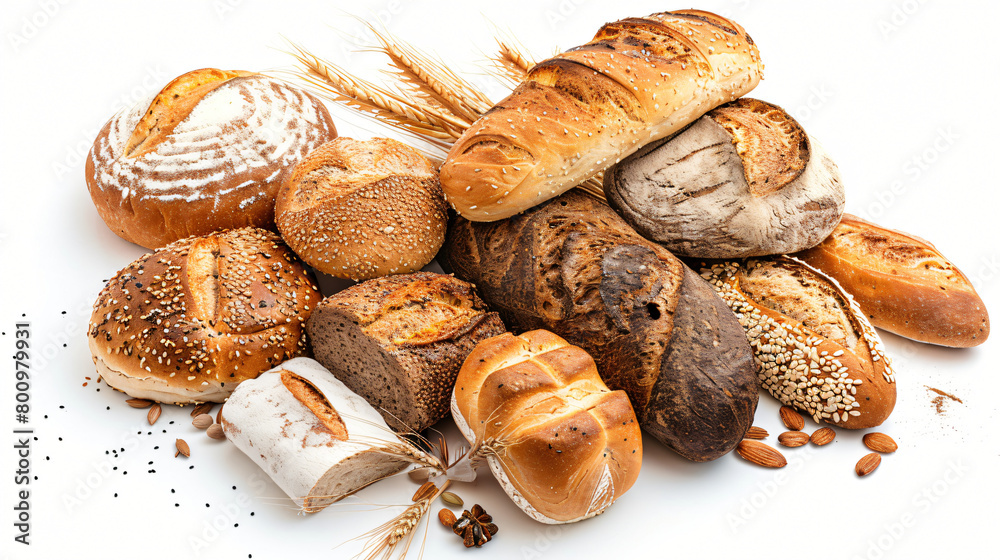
(139, 403)
(419, 475)
(447, 517)
(452, 499)
(823, 436)
(182, 448)
(202, 421)
(203, 408)
(154, 414)
(215, 432)
(218, 416)
(756, 432)
(793, 439)
(867, 464)
(791, 419)
(761, 454)
(877, 441)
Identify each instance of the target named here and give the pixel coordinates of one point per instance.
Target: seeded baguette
(902, 283)
(813, 347)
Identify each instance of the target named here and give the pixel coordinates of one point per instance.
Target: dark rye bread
(656, 330)
(399, 342)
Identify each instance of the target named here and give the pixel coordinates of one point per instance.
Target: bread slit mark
(172, 105)
(313, 399)
(203, 278)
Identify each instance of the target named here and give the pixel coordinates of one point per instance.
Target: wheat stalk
(511, 63)
(384, 539)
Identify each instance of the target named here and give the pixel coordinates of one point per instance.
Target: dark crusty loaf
(656, 330)
(399, 342)
(903, 283)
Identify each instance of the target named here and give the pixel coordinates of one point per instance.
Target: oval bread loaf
(638, 80)
(563, 446)
(814, 349)
(902, 283)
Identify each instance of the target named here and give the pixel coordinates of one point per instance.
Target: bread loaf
(189, 322)
(902, 283)
(814, 349)
(563, 446)
(399, 342)
(656, 330)
(744, 180)
(315, 438)
(361, 209)
(638, 80)
(202, 155)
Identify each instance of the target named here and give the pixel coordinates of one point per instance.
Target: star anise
(476, 527)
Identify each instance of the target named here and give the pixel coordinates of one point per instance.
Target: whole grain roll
(361, 209)
(189, 322)
(203, 154)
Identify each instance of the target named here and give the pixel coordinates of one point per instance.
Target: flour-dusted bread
(902, 283)
(656, 330)
(638, 80)
(315, 438)
(189, 322)
(744, 180)
(399, 342)
(563, 446)
(203, 154)
(814, 349)
(360, 209)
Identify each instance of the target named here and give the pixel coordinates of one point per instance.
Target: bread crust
(189, 322)
(638, 80)
(903, 283)
(203, 154)
(574, 267)
(363, 209)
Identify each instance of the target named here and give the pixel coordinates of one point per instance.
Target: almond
(203, 408)
(447, 517)
(420, 474)
(867, 464)
(202, 421)
(215, 431)
(877, 441)
(791, 419)
(761, 454)
(139, 403)
(154, 414)
(793, 439)
(182, 448)
(218, 417)
(756, 432)
(426, 490)
(823, 436)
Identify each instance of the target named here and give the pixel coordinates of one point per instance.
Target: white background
(901, 94)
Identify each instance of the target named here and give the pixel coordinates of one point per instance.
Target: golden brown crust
(561, 433)
(363, 209)
(903, 283)
(638, 80)
(191, 321)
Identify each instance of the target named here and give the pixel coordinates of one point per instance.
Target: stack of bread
(721, 260)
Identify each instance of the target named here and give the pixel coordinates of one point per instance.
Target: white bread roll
(315, 438)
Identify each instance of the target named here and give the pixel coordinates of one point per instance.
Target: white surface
(894, 90)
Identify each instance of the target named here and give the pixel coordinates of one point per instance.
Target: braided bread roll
(638, 80)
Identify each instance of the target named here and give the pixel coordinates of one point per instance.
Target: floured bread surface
(203, 154)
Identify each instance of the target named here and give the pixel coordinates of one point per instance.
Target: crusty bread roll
(814, 349)
(638, 80)
(903, 283)
(656, 329)
(202, 155)
(315, 438)
(744, 180)
(189, 322)
(563, 446)
(360, 209)
(399, 342)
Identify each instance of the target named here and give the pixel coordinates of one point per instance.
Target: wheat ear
(384, 539)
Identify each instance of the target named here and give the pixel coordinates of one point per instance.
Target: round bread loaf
(563, 446)
(361, 209)
(744, 180)
(189, 322)
(202, 155)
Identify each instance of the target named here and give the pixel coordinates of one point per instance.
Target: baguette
(638, 80)
(903, 284)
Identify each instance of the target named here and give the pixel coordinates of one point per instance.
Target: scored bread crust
(203, 154)
(399, 342)
(362, 209)
(744, 180)
(638, 80)
(562, 445)
(188, 323)
(902, 283)
(814, 349)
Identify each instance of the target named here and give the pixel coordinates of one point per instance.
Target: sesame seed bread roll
(562, 445)
(814, 349)
(399, 342)
(638, 80)
(360, 209)
(202, 155)
(903, 283)
(189, 322)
